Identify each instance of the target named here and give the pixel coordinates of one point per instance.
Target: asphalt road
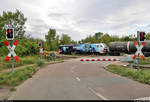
(75, 80)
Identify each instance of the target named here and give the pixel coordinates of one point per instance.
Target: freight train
(100, 48)
(114, 48)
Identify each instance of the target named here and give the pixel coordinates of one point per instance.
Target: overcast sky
(80, 18)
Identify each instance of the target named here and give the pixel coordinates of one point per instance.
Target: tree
(114, 38)
(126, 38)
(98, 35)
(56, 43)
(50, 38)
(89, 39)
(79, 42)
(16, 19)
(148, 36)
(65, 39)
(105, 39)
(74, 42)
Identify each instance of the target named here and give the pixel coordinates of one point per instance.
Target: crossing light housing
(10, 34)
(40, 44)
(142, 36)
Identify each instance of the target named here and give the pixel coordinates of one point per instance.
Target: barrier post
(12, 60)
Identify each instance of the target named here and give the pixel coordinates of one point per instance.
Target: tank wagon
(115, 48)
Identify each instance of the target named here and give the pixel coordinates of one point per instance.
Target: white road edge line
(144, 98)
(78, 78)
(74, 67)
(99, 95)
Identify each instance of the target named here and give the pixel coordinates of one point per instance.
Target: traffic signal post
(141, 36)
(41, 48)
(11, 47)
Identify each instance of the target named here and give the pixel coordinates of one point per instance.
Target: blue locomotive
(99, 48)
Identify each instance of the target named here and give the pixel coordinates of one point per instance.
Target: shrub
(20, 75)
(12, 89)
(40, 63)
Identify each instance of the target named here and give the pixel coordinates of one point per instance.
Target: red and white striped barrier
(11, 50)
(139, 50)
(110, 59)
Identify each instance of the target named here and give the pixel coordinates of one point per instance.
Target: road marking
(74, 67)
(98, 94)
(78, 78)
(144, 98)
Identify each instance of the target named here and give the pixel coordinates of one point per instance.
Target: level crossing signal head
(142, 36)
(40, 44)
(10, 34)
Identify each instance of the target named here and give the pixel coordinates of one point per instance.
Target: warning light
(142, 36)
(40, 44)
(10, 34)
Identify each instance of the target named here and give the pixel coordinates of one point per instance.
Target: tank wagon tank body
(115, 48)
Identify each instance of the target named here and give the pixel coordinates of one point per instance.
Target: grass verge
(12, 89)
(142, 76)
(40, 63)
(144, 62)
(28, 60)
(22, 61)
(1, 86)
(18, 76)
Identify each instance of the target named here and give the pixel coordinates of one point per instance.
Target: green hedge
(22, 61)
(25, 47)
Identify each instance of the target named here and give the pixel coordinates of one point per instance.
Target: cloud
(79, 18)
(57, 14)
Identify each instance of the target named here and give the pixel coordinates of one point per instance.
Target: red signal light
(142, 36)
(9, 31)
